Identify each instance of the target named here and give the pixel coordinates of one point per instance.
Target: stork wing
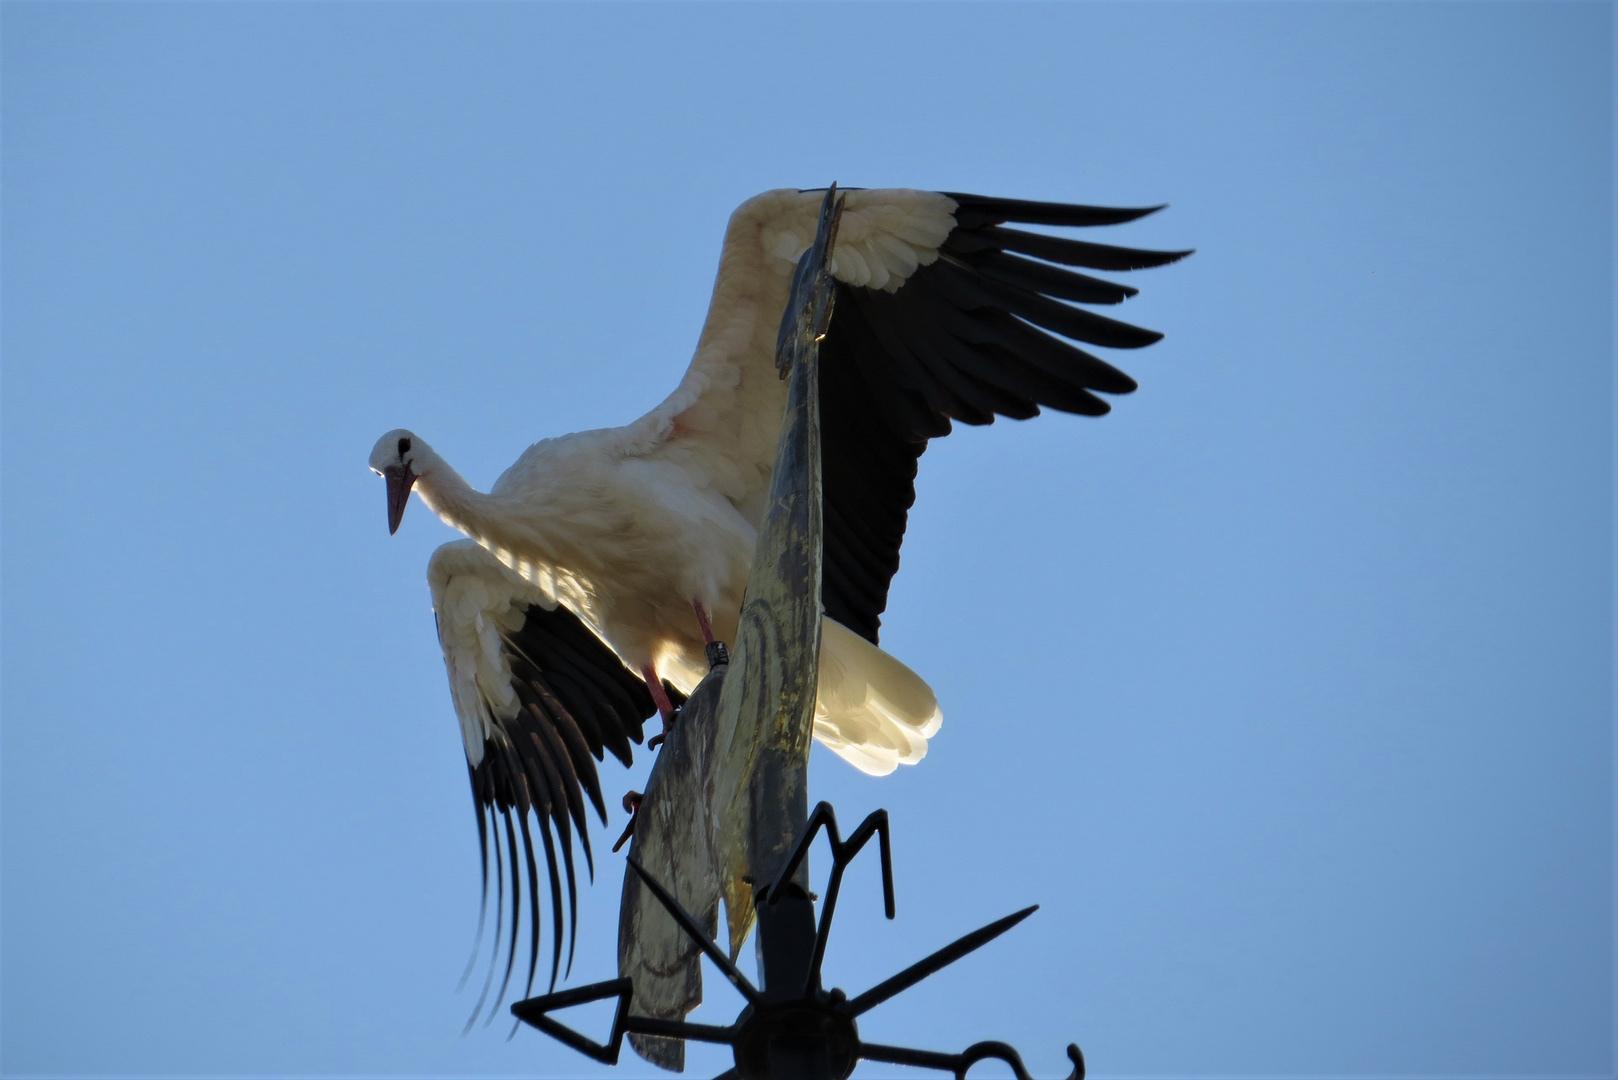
(540, 699)
(942, 314)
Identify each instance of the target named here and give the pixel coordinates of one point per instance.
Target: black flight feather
(576, 701)
(986, 329)
(972, 211)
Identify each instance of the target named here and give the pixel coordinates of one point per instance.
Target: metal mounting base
(792, 1029)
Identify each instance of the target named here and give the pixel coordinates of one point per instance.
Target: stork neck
(494, 521)
(447, 494)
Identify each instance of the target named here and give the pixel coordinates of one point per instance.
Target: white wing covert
(540, 699)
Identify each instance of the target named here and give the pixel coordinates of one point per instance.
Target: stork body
(625, 543)
(629, 544)
(595, 545)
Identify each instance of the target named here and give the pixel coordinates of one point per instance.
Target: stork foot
(632, 801)
(664, 706)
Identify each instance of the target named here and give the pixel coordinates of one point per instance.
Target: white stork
(605, 553)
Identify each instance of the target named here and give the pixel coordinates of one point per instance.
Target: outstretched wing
(540, 700)
(942, 314)
(976, 333)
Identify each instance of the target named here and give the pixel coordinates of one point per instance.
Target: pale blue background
(1286, 689)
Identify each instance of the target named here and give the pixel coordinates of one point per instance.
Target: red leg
(664, 707)
(717, 653)
(655, 685)
(702, 621)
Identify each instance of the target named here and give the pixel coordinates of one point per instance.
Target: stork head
(391, 459)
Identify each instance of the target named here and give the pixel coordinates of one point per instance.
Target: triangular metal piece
(533, 1011)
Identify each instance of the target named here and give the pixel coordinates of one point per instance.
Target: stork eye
(404, 447)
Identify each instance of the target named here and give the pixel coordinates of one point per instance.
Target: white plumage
(479, 604)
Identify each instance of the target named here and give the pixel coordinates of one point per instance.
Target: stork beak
(400, 480)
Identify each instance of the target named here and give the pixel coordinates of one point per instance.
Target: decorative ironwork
(791, 1027)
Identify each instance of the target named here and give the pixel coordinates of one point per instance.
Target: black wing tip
(1145, 338)
(973, 211)
(964, 243)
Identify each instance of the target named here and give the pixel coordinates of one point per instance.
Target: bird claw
(669, 719)
(632, 800)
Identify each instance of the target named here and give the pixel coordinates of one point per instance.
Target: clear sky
(1286, 689)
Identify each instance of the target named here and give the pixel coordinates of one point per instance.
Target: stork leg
(702, 621)
(717, 653)
(664, 707)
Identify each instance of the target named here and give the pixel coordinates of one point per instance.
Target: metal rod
(954, 1063)
(679, 1029)
(950, 953)
(690, 926)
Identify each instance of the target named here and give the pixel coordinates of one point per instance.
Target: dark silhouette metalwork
(792, 1028)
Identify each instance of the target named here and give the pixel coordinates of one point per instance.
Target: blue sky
(1286, 689)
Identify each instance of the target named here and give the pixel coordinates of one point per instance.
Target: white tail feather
(871, 710)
